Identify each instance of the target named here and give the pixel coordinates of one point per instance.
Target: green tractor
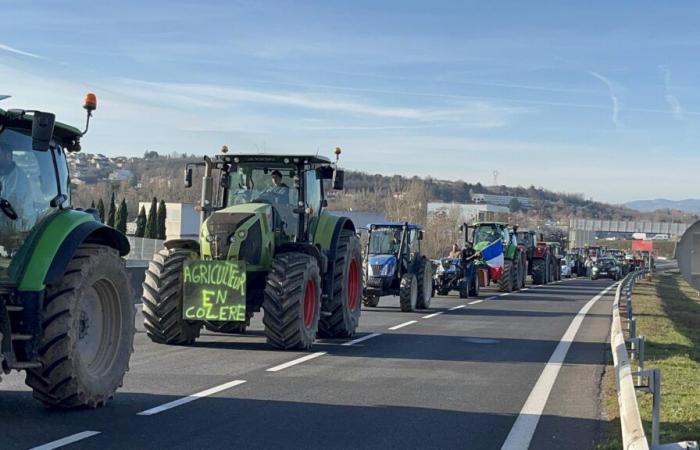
(512, 276)
(66, 304)
(266, 243)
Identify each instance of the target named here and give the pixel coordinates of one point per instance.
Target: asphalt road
(501, 371)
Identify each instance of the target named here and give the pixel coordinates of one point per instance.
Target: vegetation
(668, 313)
(122, 213)
(112, 212)
(152, 221)
(141, 223)
(160, 220)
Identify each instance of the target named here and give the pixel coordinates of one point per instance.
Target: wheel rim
(353, 285)
(99, 325)
(309, 303)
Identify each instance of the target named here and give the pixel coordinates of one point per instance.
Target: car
(606, 266)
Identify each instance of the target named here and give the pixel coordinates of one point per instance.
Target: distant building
(120, 175)
(471, 212)
(181, 220)
(500, 200)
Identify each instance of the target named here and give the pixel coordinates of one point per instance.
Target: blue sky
(595, 98)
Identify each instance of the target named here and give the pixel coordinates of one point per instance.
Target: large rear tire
(539, 271)
(162, 299)
(292, 302)
(341, 313)
(424, 275)
(505, 284)
(87, 331)
(408, 292)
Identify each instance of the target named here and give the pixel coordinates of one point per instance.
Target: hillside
(690, 205)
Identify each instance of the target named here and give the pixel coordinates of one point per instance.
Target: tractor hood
(236, 232)
(382, 265)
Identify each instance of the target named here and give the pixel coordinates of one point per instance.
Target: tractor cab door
(313, 198)
(413, 246)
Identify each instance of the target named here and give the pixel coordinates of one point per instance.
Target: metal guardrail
(633, 436)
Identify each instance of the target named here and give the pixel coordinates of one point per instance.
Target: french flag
(493, 254)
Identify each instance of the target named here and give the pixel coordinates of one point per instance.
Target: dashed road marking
(362, 339)
(456, 307)
(405, 324)
(294, 362)
(524, 289)
(524, 427)
(191, 398)
(432, 315)
(475, 302)
(67, 440)
(493, 297)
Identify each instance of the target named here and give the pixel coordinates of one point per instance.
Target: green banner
(214, 290)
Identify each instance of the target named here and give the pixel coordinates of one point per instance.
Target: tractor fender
(187, 244)
(309, 249)
(326, 237)
(91, 232)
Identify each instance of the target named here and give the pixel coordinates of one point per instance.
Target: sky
(597, 98)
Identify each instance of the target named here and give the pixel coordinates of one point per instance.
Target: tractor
(527, 241)
(66, 303)
(557, 252)
(266, 243)
(395, 266)
(513, 274)
(543, 265)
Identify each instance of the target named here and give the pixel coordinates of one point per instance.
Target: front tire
(371, 301)
(88, 332)
(408, 292)
(342, 312)
(292, 301)
(162, 299)
(505, 284)
(425, 284)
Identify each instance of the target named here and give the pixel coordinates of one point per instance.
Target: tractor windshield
(255, 184)
(487, 233)
(385, 241)
(27, 187)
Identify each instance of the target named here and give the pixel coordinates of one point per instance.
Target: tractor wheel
(474, 287)
(425, 284)
(341, 313)
(292, 301)
(523, 259)
(515, 274)
(408, 292)
(371, 300)
(87, 331)
(463, 289)
(443, 292)
(162, 299)
(505, 284)
(539, 271)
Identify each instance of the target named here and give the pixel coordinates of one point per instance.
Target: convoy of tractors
(267, 245)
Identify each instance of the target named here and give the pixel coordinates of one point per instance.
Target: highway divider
(647, 380)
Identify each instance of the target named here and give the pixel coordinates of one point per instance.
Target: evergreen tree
(122, 215)
(162, 213)
(141, 223)
(151, 222)
(92, 204)
(111, 215)
(101, 210)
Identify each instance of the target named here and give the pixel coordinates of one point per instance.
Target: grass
(667, 310)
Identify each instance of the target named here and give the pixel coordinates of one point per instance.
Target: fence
(647, 380)
(143, 249)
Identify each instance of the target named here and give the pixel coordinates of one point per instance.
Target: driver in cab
(15, 194)
(278, 191)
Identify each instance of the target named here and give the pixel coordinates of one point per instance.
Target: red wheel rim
(353, 285)
(309, 303)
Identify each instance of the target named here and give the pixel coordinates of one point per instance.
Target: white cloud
(672, 100)
(613, 97)
(9, 49)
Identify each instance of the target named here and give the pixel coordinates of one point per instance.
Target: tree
(162, 214)
(92, 204)
(515, 205)
(141, 223)
(111, 215)
(122, 214)
(101, 210)
(151, 222)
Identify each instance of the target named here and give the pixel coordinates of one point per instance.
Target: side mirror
(339, 180)
(188, 177)
(325, 172)
(42, 130)
(421, 235)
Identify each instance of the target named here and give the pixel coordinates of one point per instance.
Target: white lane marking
(67, 440)
(475, 302)
(405, 324)
(362, 339)
(190, 398)
(504, 294)
(524, 289)
(456, 307)
(494, 297)
(524, 427)
(294, 362)
(432, 315)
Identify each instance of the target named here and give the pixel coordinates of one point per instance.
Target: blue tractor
(394, 265)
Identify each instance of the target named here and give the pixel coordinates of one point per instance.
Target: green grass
(668, 314)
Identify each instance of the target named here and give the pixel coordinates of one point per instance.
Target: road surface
(502, 371)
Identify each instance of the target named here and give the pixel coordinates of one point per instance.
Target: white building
(471, 212)
(181, 220)
(500, 200)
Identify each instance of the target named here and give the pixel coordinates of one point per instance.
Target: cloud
(613, 97)
(9, 49)
(671, 99)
